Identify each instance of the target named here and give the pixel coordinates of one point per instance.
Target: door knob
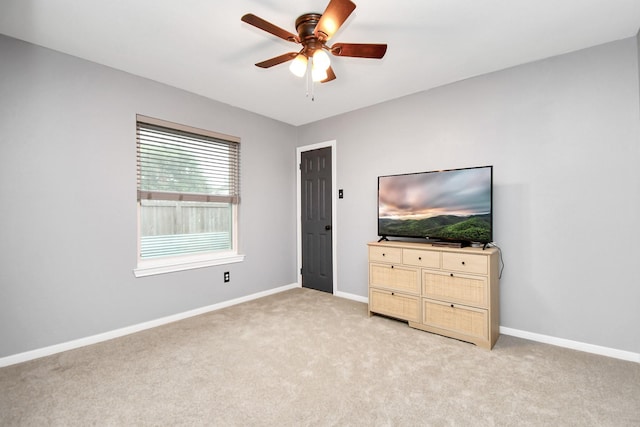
(327, 227)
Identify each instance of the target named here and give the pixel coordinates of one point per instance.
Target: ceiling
(202, 46)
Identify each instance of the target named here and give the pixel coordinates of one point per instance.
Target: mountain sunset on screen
(454, 204)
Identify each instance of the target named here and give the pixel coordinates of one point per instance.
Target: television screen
(449, 205)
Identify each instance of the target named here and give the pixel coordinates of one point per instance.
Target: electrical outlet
(226, 277)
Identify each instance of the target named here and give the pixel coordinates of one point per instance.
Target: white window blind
(188, 187)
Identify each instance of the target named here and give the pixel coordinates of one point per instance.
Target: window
(188, 195)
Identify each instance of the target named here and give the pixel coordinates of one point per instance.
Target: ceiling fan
(314, 31)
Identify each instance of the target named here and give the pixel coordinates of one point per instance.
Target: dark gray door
(315, 178)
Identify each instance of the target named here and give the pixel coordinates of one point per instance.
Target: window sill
(170, 265)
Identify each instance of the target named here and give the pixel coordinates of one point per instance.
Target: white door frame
(334, 208)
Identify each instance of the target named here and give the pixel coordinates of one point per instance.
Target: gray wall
(68, 200)
(564, 137)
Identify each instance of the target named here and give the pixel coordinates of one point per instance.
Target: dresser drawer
(394, 277)
(466, 263)
(401, 306)
(420, 258)
(382, 254)
(457, 318)
(456, 287)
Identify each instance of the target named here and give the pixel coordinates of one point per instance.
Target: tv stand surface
(448, 291)
(445, 244)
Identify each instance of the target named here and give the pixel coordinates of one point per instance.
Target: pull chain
(310, 86)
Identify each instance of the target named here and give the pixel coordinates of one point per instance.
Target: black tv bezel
(437, 238)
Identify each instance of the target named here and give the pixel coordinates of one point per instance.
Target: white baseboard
(352, 297)
(94, 339)
(574, 345)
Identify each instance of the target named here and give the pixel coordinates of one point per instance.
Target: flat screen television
(448, 205)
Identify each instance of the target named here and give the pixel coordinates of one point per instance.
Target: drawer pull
(419, 258)
(392, 293)
(452, 306)
(451, 274)
(462, 262)
(392, 266)
(384, 254)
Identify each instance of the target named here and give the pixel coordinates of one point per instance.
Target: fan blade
(359, 50)
(335, 14)
(330, 76)
(277, 60)
(257, 22)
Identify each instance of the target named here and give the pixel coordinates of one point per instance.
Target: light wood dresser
(448, 291)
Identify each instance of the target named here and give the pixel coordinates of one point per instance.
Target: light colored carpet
(305, 358)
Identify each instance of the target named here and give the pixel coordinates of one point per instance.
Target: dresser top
(431, 247)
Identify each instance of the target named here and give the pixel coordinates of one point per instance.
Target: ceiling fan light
(299, 65)
(318, 74)
(321, 59)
